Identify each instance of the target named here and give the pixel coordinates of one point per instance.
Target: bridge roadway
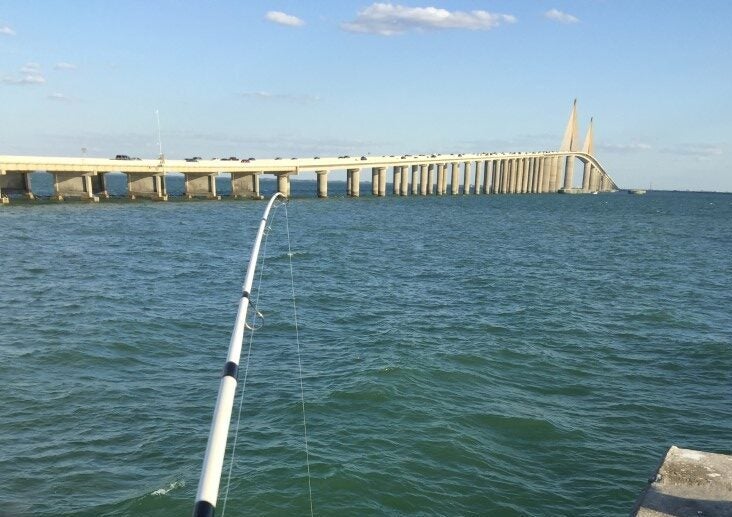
(481, 173)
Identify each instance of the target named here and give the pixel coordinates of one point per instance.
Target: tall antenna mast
(160, 141)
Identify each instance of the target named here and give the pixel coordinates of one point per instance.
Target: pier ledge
(688, 483)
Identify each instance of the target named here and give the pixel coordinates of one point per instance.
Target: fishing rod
(213, 461)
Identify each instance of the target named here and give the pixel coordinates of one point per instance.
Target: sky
(325, 78)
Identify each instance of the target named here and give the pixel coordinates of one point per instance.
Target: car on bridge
(122, 157)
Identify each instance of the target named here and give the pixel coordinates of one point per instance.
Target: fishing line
(299, 361)
(253, 327)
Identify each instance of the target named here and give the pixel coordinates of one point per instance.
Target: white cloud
(389, 19)
(64, 66)
(25, 79)
(7, 31)
(625, 148)
(31, 68)
(700, 151)
(284, 19)
(558, 16)
(30, 73)
(60, 97)
(280, 96)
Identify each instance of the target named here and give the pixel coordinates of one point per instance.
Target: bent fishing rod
(213, 461)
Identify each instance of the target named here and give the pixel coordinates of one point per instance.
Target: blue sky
(296, 78)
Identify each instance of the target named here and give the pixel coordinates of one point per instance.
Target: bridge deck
(267, 165)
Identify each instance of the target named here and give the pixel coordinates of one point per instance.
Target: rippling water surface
(493, 355)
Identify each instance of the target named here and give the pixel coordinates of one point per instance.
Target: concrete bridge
(480, 173)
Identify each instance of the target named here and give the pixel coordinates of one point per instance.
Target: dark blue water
(492, 355)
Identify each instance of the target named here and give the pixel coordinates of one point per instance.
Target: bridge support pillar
(382, 181)
(521, 183)
(99, 185)
(430, 179)
(519, 175)
(591, 182)
(568, 171)
(283, 183)
(322, 179)
(497, 172)
(404, 187)
(374, 181)
(501, 177)
(396, 184)
(4, 200)
(534, 174)
(12, 182)
(510, 176)
(478, 176)
(74, 184)
(440, 178)
(514, 176)
(466, 178)
(552, 187)
(593, 179)
(455, 179)
(541, 171)
(245, 185)
(586, 176)
(554, 175)
(539, 175)
(604, 183)
(494, 176)
(415, 180)
(355, 182)
(505, 176)
(486, 177)
(546, 165)
(150, 186)
(200, 185)
(423, 179)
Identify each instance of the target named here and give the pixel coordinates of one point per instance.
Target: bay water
(461, 355)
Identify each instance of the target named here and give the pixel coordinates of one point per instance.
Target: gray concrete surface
(688, 483)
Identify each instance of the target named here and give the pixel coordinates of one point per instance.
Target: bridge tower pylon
(570, 144)
(588, 148)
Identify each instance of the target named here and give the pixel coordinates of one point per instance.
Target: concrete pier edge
(690, 483)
